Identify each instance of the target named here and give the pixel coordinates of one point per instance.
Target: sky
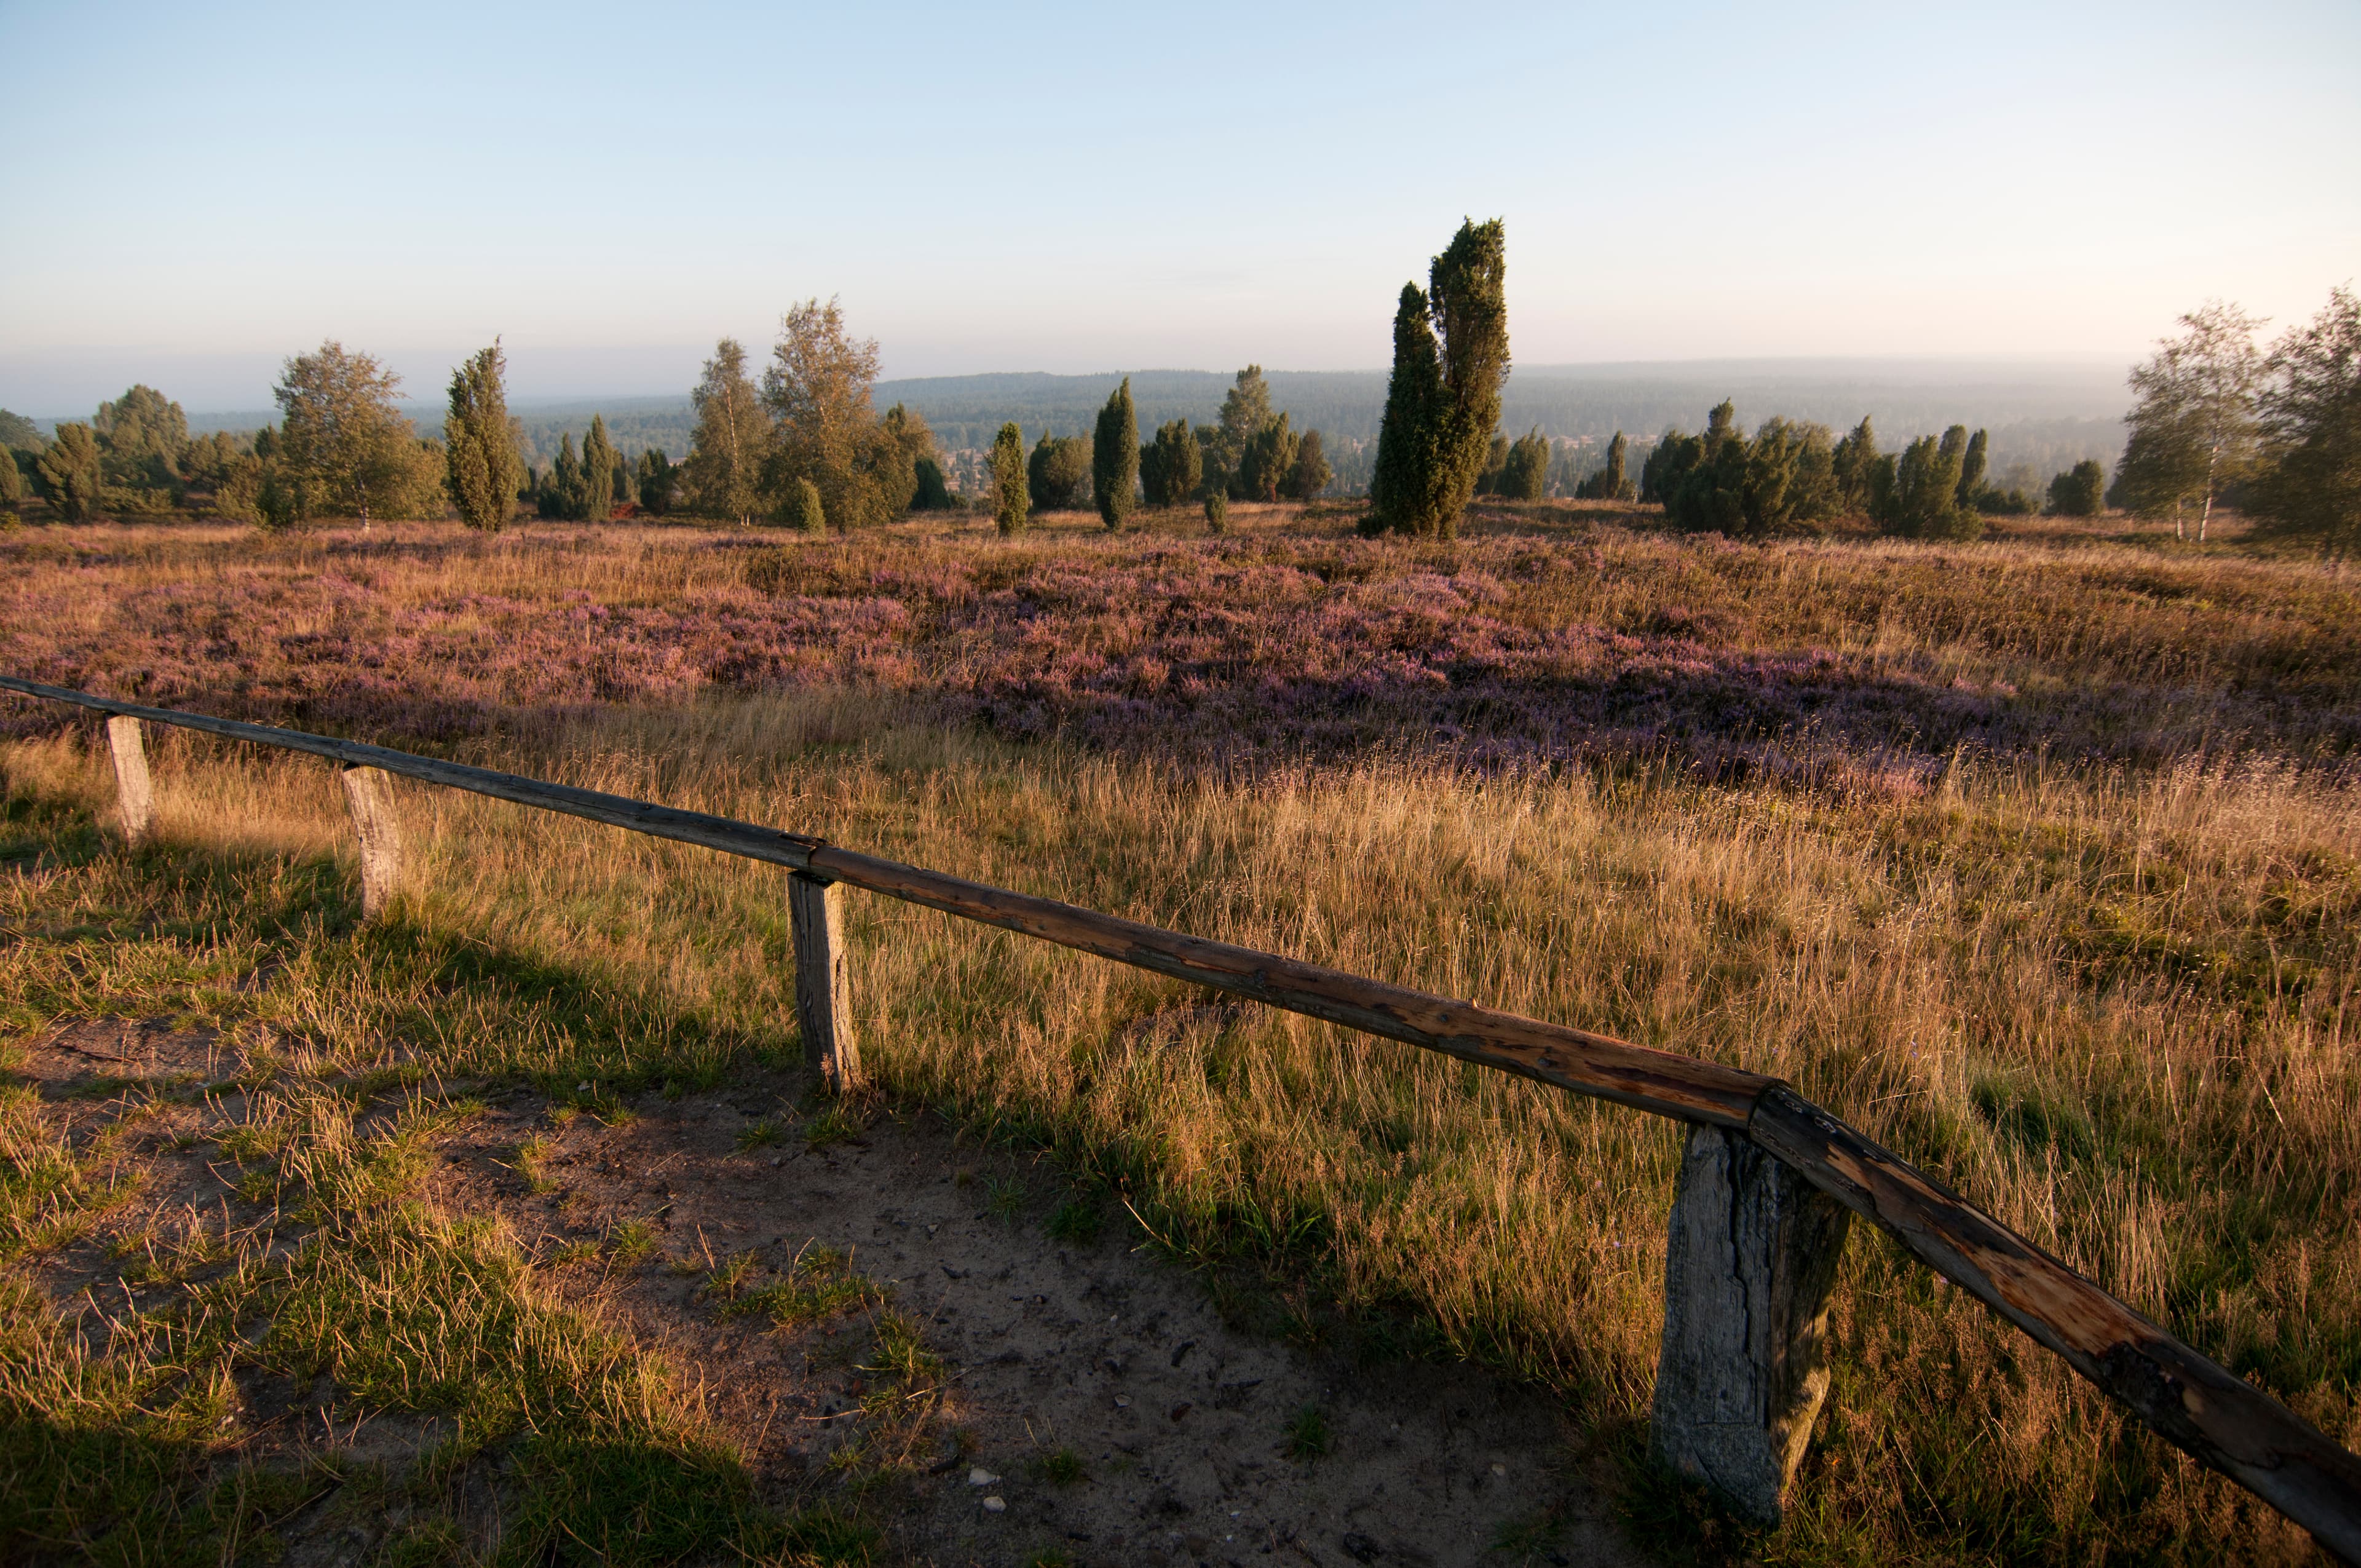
(194, 192)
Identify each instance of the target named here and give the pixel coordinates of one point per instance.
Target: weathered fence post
(370, 792)
(135, 797)
(816, 912)
(1748, 1268)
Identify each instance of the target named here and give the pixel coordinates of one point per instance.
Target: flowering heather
(1530, 642)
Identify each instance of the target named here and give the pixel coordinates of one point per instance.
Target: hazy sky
(195, 191)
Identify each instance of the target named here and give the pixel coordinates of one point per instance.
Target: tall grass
(2099, 979)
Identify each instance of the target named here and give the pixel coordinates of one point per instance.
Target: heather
(1550, 634)
(2067, 911)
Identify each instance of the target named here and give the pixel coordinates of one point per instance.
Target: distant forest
(2043, 419)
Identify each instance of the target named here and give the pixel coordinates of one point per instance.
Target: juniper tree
(68, 469)
(806, 512)
(654, 481)
(18, 434)
(1495, 467)
(1217, 509)
(1609, 484)
(931, 493)
(12, 481)
(1171, 468)
(734, 434)
(1058, 471)
(1011, 500)
(1404, 486)
(1927, 489)
(1972, 468)
(1667, 464)
(479, 452)
(1115, 456)
(1269, 458)
(1311, 475)
(1525, 476)
(562, 496)
(904, 446)
(1855, 456)
(599, 459)
(2081, 491)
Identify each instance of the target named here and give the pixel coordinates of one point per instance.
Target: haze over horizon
(609, 191)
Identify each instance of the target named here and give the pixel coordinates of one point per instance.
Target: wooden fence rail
(1768, 1185)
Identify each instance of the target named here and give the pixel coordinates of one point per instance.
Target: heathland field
(2038, 859)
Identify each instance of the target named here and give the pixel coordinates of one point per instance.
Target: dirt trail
(1181, 1420)
(1093, 1403)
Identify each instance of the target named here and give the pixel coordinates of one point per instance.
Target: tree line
(2217, 417)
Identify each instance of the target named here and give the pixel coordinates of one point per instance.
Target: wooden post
(816, 912)
(135, 797)
(370, 792)
(1748, 1268)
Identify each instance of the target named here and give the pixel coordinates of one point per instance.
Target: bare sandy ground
(1092, 1399)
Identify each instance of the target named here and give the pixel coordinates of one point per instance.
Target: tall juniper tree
(598, 460)
(1115, 456)
(1451, 358)
(482, 468)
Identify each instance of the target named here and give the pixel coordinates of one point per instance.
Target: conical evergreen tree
(1402, 486)
(599, 459)
(1011, 501)
(480, 455)
(561, 493)
(1310, 474)
(1115, 456)
(1972, 468)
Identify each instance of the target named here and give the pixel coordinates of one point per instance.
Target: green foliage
(1012, 501)
(1308, 1437)
(12, 481)
(18, 434)
(2310, 486)
(1783, 481)
(655, 480)
(1443, 400)
(141, 436)
(1268, 460)
(825, 427)
(1403, 493)
(1310, 474)
(600, 462)
(733, 432)
(479, 450)
(1525, 476)
(1609, 484)
(1245, 410)
(2079, 492)
(931, 494)
(1115, 456)
(1217, 509)
(1854, 461)
(2192, 429)
(907, 444)
(1972, 468)
(563, 496)
(804, 510)
(1496, 466)
(68, 473)
(344, 447)
(1172, 465)
(1925, 500)
(1059, 471)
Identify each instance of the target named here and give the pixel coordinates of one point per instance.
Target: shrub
(2081, 491)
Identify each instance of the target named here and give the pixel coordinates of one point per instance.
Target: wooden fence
(1768, 1182)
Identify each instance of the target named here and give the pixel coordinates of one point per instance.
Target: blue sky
(194, 192)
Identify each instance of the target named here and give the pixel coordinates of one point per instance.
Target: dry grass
(2108, 1003)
